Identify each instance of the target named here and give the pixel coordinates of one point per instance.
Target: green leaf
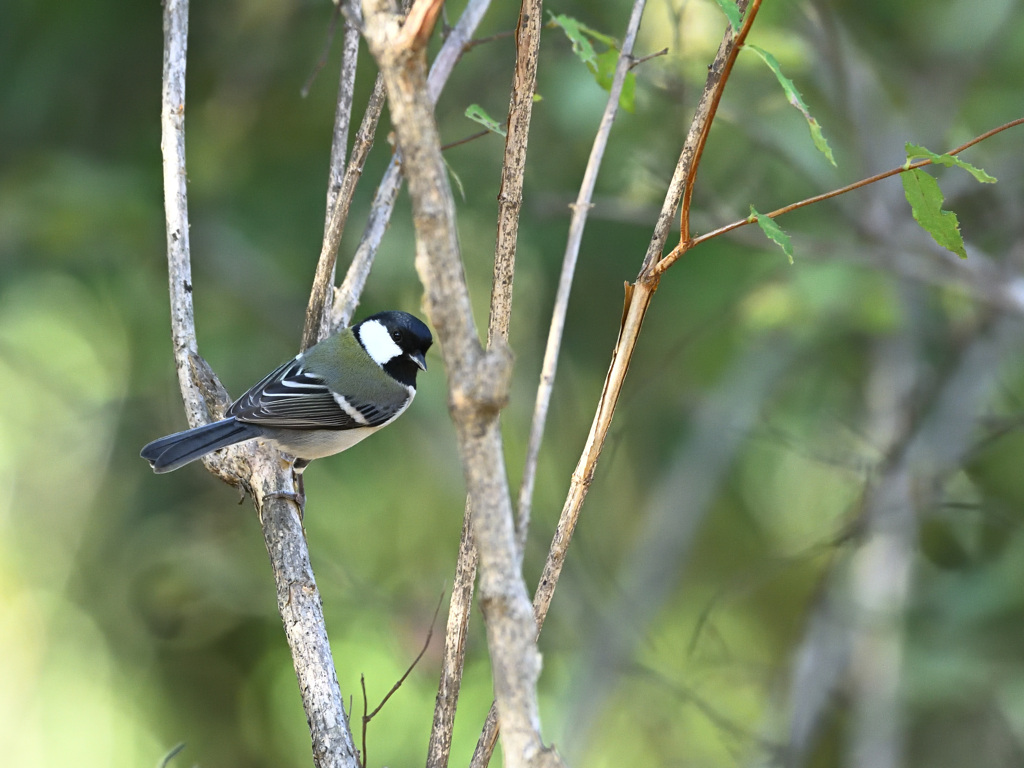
(604, 74)
(925, 198)
(477, 114)
(577, 34)
(773, 232)
(794, 97)
(601, 65)
(914, 152)
(731, 11)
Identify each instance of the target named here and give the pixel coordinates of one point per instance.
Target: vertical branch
(259, 469)
(510, 199)
(172, 144)
(510, 194)
(477, 380)
(302, 614)
(442, 729)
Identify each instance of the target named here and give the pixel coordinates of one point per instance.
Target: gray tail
(169, 453)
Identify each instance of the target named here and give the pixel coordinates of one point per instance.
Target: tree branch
(261, 470)
(510, 199)
(478, 383)
(318, 311)
(347, 296)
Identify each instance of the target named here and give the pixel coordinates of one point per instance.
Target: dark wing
(292, 398)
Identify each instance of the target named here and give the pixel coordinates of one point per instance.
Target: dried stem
(638, 299)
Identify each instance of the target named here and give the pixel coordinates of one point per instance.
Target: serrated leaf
(604, 74)
(576, 33)
(794, 98)
(773, 232)
(925, 198)
(731, 11)
(477, 114)
(914, 152)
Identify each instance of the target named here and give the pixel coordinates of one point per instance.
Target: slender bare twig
(342, 116)
(478, 387)
(368, 716)
(347, 296)
(460, 142)
(489, 39)
(580, 210)
(318, 311)
(456, 631)
(324, 53)
(171, 755)
(674, 255)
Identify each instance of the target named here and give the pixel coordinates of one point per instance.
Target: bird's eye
(397, 336)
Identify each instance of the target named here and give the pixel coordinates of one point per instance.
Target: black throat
(403, 370)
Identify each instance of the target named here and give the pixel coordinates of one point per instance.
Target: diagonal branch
(347, 296)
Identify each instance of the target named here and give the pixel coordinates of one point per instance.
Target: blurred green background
(733, 503)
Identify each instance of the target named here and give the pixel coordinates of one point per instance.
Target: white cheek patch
(378, 342)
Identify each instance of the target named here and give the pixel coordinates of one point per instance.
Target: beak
(417, 357)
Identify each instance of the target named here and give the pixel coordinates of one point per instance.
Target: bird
(321, 402)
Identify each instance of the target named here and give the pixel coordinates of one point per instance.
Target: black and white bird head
(397, 342)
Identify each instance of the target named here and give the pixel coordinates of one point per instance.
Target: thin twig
(171, 755)
(347, 296)
(489, 39)
(460, 142)
(674, 255)
(706, 110)
(637, 62)
(322, 61)
(580, 211)
(366, 720)
(362, 678)
(338, 198)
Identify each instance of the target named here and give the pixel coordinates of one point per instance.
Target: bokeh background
(742, 578)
